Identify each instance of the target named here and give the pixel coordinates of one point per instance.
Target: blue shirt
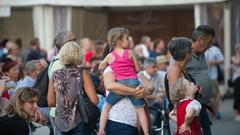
(26, 82)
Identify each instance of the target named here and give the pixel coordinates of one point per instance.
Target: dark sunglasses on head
(74, 39)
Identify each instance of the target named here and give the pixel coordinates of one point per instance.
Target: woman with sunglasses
(19, 112)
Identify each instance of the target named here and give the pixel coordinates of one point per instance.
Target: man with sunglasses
(202, 38)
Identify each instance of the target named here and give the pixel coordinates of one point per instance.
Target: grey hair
(149, 62)
(145, 38)
(31, 65)
(179, 47)
(60, 38)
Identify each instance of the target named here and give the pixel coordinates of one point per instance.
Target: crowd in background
(164, 66)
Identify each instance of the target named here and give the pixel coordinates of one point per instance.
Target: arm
(103, 64)
(133, 57)
(40, 118)
(146, 83)
(216, 62)
(2, 86)
(120, 89)
(89, 88)
(173, 74)
(236, 60)
(172, 115)
(51, 97)
(188, 120)
(153, 97)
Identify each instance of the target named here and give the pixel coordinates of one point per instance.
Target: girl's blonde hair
(71, 54)
(14, 105)
(116, 34)
(177, 91)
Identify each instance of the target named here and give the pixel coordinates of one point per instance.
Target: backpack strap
(81, 81)
(52, 61)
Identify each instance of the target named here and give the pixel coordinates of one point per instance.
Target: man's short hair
(202, 30)
(60, 38)
(31, 65)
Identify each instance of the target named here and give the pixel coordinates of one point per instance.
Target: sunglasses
(74, 39)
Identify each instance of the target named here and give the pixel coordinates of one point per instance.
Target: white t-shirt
(195, 105)
(123, 111)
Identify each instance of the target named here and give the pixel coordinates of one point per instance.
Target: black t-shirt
(14, 125)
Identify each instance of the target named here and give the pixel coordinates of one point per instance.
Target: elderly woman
(19, 112)
(63, 94)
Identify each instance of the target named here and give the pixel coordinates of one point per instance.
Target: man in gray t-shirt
(202, 38)
(198, 68)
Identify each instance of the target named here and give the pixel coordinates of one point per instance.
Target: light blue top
(213, 54)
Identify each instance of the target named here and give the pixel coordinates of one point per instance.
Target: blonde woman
(19, 112)
(63, 94)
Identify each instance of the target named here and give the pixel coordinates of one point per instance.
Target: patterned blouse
(67, 84)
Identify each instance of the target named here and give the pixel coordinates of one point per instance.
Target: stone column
(200, 14)
(227, 38)
(43, 25)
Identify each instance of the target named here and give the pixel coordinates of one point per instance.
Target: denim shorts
(116, 128)
(113, 98)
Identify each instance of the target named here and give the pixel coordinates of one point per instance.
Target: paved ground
(226, 125)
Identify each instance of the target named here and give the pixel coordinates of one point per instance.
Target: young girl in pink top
(125, 68)
(187, 109)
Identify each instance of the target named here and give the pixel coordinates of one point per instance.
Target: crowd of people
(128, 82)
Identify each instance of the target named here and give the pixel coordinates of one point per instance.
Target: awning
(104, 3)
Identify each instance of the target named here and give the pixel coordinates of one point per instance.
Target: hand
(3, 84)
(184, 128)
(139, 92)
(40, 118)
(212, 112)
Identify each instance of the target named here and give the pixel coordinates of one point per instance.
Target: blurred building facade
(92, 18)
